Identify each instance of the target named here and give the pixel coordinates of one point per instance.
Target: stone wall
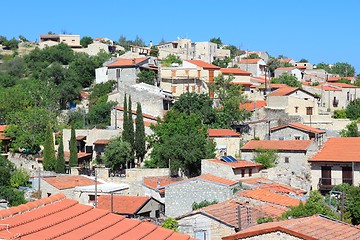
(273, 236)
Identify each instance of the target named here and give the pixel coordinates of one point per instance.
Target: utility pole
(342, 207)
(95, 205)
(39, 177)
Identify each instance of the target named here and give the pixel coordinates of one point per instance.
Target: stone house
(227, 141)
(287, 60)
(303, 65)
(337, 162)
(231, 170)
(48, 40)
(255, 66)
(180, 196)
(292, 167)
(314, 75)
(191, 76)
(155, 186)
(313, 227)
(263, 55)
(131, 206)
(297, 131)
(294, 101)
(335, 78)
(291, 71)
(228, 217)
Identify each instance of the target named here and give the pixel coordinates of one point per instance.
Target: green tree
(14, 196)
(131, 132)
(60, 162)
(315, 204)
(7, 80)
(223, 63)
(341, 113)
(353, 109)
(324, 66)
(147, 76)
(343, 69)
(83, 68)
(19, 177)
(102, 89)
(266, 157)
(117, 154)
(199, 104)
(125, 132)
(86, 41)
(7, 168)
(99, 112)
(229, 96)
(352, 201)
(216, 40)
(202, 204)
(170, 59)
(73, 160)
(252, 56)
(287, 79)
(49, 159)
(234, 51)
(192, 145)
(140, 149)
(171, 223)
(350, 130)
(303, 60)
(154, 51)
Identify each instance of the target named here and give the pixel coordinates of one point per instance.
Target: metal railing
(329, 182)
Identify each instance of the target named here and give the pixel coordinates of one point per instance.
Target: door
(326, 176)
(347, 175)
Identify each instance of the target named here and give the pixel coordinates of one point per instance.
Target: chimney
(239, 216)
(133, 61)
(150, 44)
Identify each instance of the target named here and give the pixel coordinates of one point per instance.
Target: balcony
(326, 184)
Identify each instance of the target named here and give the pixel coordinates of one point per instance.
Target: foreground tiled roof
(238, 164)
(227, 212)
(203, 64)
(122, 204)
(266, 195)
(311, 228)
(339, 150)
(65, 182)
(222, 133)
(59, 218)
(250, 106)
(234, 71)
(122, 62)
(280, 145)
(300, 127)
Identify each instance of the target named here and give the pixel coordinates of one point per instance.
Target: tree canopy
(147, 76)
(170, 59)
(352, 201)
(86, 41)
(287, 79)
(350, 130)
(117, 154)
(353, 109)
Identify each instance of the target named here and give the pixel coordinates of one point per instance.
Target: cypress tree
(125, 122)
(49, 159)
(131, 139)
(60, 163)
(139, 135)
(73, 161)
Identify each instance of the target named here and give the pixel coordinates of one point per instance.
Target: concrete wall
(273, 236)
(152, 206)
(291, 72)
(212, 229)
(232, 145)
(179, 197)
(101, 75)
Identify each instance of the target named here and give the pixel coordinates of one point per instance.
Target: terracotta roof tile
(251, 106)
(299, 126)
(313, 227)
(344, 85)
(279, 145)
(270, 197)
(122, 62)
(264, 183)
(123, 204)
(203, 64)
(222, 133)
(339, 150)
(234, 71)
(67, 219)
(286, 68)
(250, 61)
(215, 179)
(66, 182)
(283, 91)
(327, 88)
(160, 181)
(102, 141)
(335, 79)
(239, 164)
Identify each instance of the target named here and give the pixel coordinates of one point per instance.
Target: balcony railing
(329, 183)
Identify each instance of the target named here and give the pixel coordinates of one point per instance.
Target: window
(297, 137)
(281, 138)
(200, 234)
(174, 89)
(242, 172)
(250, 172)
(296, 109)
(193, 88)
(286, 159)
(117, 73)
(309, 111)
(187, 88)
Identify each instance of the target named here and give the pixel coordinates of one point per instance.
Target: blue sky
(320, 31)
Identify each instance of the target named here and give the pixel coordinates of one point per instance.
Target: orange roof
(203, 64)
(344, 85)
(80, 138)
(2, 128)
(160, 182)
(278, 85)
(238, 164)
(285, 60)
(222, 133)
(266, 195)
(279, 145)
(327, 88)
(300, 127)
(102, 141)
(258, 79)
(234, 71)
(310, 228)
(123, 204)
(335, 79)
(67, 156)
(251, 106)
(285, 68)
(301, 67)
(2, 133)
(283, 91)
(250, 61)
(65, 182)
(84, 95)
(209, 178)
(123, 62)
(59, 218)
(264, 183)
(339, 150)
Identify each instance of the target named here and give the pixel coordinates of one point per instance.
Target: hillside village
(104, 139)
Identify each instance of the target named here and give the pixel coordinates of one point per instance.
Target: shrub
(340, 113)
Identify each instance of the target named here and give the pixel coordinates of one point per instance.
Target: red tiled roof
(67, 156)
(123, 204)
(250, 61)
(316, 227)
(285, 60)
(215, 179)
(335, 79)
(327, 88)
(234, 71)
(258, 79)
(279, 145)
(122, 62)
(278, 85)
(2, 128)
(344, 85)
(66, 182)
(160, 182)
(250, 106)
(84, 95)
(238, 164)
(266, 195)
(264, 183)
(301, 67)
(203, 64)
(102, 142)
(283, 91)
(120, 108)
(339, 150)
(2, 133)
(300, 127)
(222, 133)
(61, 218)
(242, 83)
